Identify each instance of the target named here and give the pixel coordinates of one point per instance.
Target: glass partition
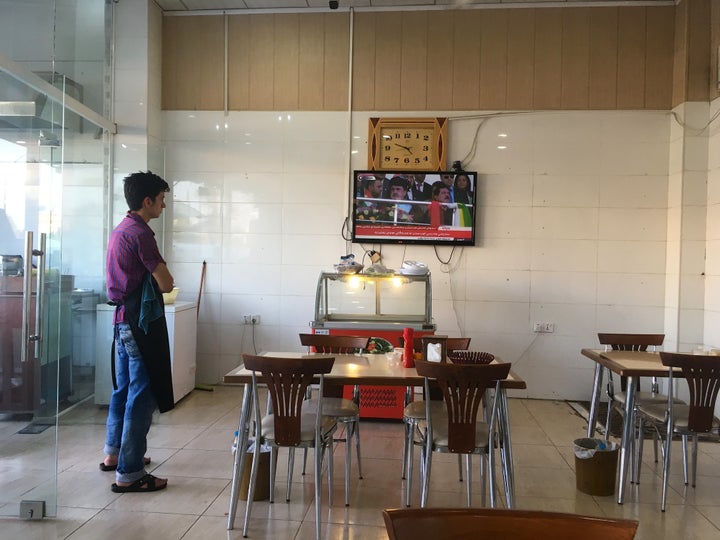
(54, 167)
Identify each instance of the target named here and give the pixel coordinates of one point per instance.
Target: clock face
(411, 147)
(410, 144)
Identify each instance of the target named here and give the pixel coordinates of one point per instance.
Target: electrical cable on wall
(345, 231)
(697, 131)
(482, 117)
(437, 255)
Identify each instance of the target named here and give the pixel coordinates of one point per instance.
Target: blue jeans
(131, 408)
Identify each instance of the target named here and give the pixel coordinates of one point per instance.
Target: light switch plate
(32, 509)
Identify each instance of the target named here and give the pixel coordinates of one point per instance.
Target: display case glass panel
(370, 299)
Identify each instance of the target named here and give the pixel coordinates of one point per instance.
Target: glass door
(52, 185)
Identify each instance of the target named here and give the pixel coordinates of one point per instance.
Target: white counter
(182, 332)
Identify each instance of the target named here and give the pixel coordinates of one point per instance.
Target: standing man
(136, 276)
(373, 187)
(399, 192)
(419, 190)
(449, 181)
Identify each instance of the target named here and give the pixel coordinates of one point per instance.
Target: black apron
(154, 348)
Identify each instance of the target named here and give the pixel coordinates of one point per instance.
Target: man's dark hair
(140, 185)
(400, 181)
(437, 186)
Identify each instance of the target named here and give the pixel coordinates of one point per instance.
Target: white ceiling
(200, 6)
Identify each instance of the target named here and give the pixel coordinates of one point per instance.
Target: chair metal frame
(702, 373)
(287, 380)
(464, 389)
(414, 415)
(502, 524)
(345, 411)
(631, 342)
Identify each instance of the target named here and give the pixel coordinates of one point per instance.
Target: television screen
(408, 207)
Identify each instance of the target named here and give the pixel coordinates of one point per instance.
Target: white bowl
(169, 297)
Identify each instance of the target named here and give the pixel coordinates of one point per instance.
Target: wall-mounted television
(414, 207)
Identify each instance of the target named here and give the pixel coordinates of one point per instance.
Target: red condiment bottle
(408, 356)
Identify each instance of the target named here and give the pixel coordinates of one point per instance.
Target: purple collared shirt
(132, 252)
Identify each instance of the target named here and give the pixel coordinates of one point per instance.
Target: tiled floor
(191, 446)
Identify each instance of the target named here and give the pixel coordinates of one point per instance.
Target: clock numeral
(407, 160)
(386, 148)
(397, 135)
(396, 160)
(387, 159)
(425, 158)
(425, 148)
(426, 137)
(417, 160)
(407, 135)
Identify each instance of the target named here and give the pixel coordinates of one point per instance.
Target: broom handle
(202, 280)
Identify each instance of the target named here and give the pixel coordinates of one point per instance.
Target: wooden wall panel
(548, 58)
(193, 63)
(714, 45)
(262, 54)
(575, 72)
(466, 59)
(520, 56)
(388, 61)
(286, 62)
(658, 70)
(602, 76)
(474, 59)
(680, 55)
(698, 72)
(440, 61)
(631, 58)
(311, 73)
(364, 53)
(494, 59)
(413, 78)
(238, 63)
(337, 35)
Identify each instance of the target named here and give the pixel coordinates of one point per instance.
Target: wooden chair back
(630, 342)
(325, 343)
(474, 523)
(702, 374)
(287, 380)
(463, 387)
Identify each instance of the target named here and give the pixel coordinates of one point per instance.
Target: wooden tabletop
(629, 363)
(370, 369)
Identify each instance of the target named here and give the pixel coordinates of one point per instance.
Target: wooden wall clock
(410, 144)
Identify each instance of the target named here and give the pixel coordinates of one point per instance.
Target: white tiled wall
(572, 230)
(712, 263)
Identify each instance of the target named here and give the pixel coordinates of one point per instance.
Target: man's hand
(163, 277)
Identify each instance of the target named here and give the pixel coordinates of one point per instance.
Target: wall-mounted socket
(251, 319)
(544, 327)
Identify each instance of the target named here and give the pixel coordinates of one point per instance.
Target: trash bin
(262, 482)
(596, 466)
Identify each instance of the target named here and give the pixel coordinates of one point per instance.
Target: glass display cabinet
(377, 306)
(374, 302)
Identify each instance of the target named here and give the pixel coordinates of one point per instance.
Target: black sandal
(146, 483)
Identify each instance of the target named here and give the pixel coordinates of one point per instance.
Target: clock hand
(405, 147)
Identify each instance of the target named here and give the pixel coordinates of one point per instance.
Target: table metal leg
(628, 435)
(508, 468)
(243, 434)
(595, 399)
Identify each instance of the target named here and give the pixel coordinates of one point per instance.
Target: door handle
(27, 337)
(40, 297)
